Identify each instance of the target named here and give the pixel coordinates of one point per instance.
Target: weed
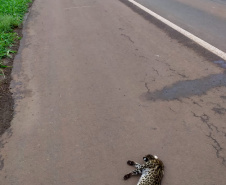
(8, 22)
(11, 16)
(6, 41)
(2, 66)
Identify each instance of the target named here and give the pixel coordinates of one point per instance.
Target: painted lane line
(189, 35)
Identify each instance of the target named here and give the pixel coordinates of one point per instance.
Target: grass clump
(7, 23)
(6, 42)
(11, 16)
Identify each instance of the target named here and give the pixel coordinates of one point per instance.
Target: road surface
(203, 18)
(95, 84)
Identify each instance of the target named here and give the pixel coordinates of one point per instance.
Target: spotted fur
(151, 171)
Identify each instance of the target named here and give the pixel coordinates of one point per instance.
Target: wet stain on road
(187, 88)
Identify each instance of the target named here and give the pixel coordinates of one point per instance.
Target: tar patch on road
(187, 88)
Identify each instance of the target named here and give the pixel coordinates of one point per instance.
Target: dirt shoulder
(6, 100)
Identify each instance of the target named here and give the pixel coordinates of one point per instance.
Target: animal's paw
(131, 163)
(127, 176)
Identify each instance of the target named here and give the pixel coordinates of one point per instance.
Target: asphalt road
(95, 84)
(204, 18)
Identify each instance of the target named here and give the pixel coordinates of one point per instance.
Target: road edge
(181, 35)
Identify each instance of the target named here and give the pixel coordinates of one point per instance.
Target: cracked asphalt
(95, 84)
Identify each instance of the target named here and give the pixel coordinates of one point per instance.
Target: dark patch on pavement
(1, 162)
(128, 37)
(219, 110)
(195, 103)
(220, 63)
(187, 88)
(223, 97)
(209, 56)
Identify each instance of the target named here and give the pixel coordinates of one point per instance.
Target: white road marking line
(199, 41)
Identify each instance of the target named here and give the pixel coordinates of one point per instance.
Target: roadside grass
(11, 16)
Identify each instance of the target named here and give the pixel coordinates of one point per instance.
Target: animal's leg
(134, 172)
(132, 163)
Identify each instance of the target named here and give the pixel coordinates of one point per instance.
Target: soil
(6, 99)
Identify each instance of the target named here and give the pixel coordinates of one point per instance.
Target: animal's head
(150, 157)
(154, 160)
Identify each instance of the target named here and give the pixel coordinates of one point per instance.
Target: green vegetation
(11, 16)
